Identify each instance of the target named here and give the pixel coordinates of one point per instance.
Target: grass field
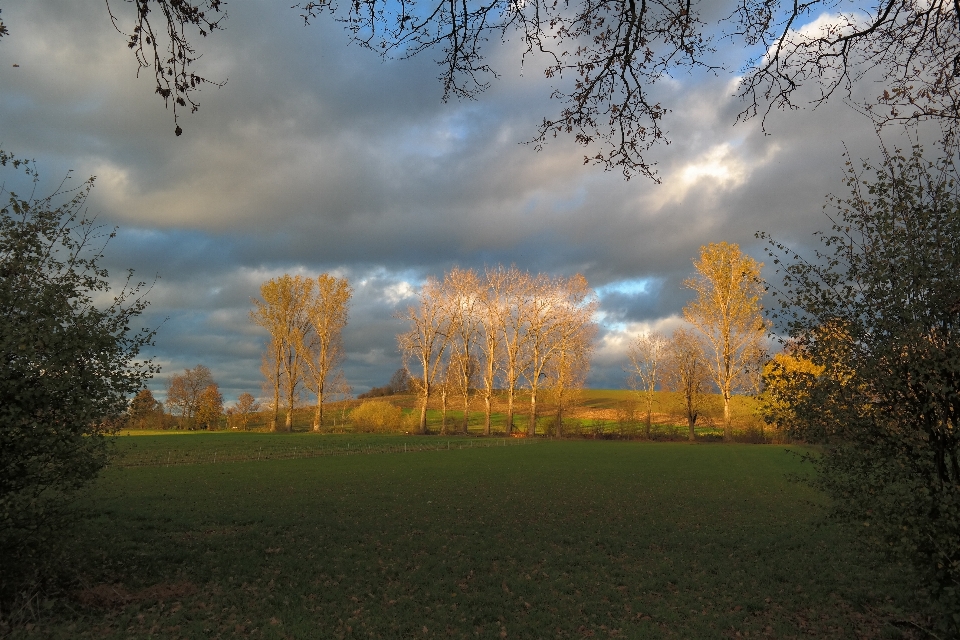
(553, 539)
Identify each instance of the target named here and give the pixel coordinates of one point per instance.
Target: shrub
(70, 363)
(377, 416)
(877, 316)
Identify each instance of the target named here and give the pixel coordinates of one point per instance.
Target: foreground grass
(560, 539)
(168, 449)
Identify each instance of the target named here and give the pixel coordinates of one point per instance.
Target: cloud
(317, 156)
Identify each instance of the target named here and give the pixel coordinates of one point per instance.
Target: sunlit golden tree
(322, 346)
(210, 408)
(686, 371)
(727, 312)
(647, 354)
(282, 310)
(424, 344)
(184, 390)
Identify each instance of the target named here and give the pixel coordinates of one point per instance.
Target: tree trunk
(727, 428)
(443, 411)
(488, 402)
(532, 427)
(648, 424)
(508, 424)
(275, 422)
(424, 399)
(466, 412)
(318, 414)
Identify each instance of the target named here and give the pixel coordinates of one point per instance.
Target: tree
(568, 370)
(686, 372)
(427, 340)
(464, 286)
(606, 56)
(245, 407)
(514, 298)
(785, 377)
(323, 346)
(209, 408)
(492, 312)
(727, 312)
(341, 392)
(283, 312)
(400, 381)
(877, 314)
(70, 364)
(184, 391)
(559, 312)
(145, 412)
(646, 355)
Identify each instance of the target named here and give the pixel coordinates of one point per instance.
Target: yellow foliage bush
(374, 416)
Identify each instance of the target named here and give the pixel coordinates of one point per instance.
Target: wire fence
(181, 457)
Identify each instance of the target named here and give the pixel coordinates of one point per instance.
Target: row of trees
(305, 318)
(501, 328)
(725, 345)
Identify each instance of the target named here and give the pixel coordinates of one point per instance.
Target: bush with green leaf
(876, 318)
(70, 362)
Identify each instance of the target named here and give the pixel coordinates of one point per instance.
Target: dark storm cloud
(316, 156)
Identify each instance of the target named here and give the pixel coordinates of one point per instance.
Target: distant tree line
(194, 402)
(400, 382)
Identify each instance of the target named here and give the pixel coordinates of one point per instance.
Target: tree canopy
(70, 360)
(605, 57)
(875, 317)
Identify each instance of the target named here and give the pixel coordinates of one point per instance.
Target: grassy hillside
(595, 412)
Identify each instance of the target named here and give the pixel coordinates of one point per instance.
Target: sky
(318, 156)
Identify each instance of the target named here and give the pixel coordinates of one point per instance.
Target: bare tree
(322, 346)
(686, 372)
(558, 310)
(245, 407)
(727, 312)
(427, 340)
(647, 354)
(514, 298)
(341, 392)
(283, 312)
(184, 391)
(492, 311)
(464, 288)
(462, 370)
(606, 56)
(568, 370)
(399, 381)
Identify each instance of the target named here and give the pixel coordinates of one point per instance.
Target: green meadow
(498, 539)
